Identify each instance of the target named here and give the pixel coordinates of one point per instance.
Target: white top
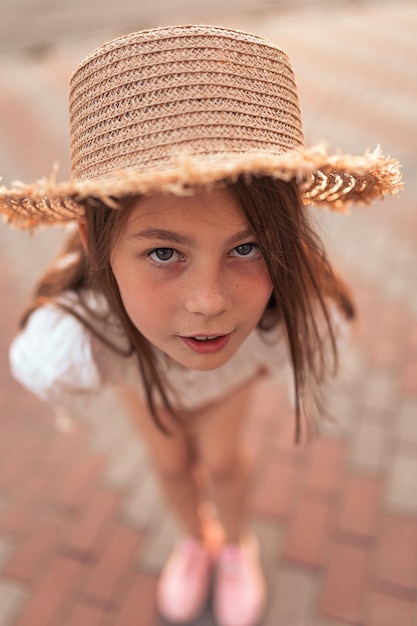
(59, 359)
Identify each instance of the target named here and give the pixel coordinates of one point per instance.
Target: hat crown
(145, 100)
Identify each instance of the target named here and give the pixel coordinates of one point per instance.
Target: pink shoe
(240, 589)
(184, 582)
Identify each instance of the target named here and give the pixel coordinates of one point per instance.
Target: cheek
(147, 304)
(260, 287)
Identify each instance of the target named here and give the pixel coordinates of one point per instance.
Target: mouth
(206, 344)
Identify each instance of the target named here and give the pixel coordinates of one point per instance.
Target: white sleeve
(52, 356)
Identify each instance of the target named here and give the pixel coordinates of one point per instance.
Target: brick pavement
(83, 531)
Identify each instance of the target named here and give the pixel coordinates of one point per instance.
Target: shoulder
(53, 354)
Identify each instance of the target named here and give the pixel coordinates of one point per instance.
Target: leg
(173, 460)
(219, 431)
(240, 588)
(184, 581)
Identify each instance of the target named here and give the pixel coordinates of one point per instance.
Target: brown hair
(303, 285)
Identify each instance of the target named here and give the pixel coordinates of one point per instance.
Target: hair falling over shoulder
(305, 288)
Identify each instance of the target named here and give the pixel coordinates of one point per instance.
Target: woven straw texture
(171, 108)
(192, 91)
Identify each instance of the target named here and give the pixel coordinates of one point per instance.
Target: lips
(206, 344)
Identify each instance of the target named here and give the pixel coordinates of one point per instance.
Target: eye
(245, 249)
(163, 255)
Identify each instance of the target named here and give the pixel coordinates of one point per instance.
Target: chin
(205, 363)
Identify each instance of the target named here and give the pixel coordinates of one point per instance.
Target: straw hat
(174, 107)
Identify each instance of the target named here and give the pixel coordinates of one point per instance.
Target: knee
(174, 471)
(228, 469)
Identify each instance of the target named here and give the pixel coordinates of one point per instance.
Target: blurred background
(83, 531)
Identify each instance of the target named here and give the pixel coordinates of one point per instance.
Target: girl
(193, 272)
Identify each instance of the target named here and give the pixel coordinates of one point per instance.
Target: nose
(208, 293)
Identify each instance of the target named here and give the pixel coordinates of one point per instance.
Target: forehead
(203, 206)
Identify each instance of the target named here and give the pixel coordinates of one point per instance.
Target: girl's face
(191, 276)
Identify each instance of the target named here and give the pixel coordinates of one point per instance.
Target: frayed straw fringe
(335, 181)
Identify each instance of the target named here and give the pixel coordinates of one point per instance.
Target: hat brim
(335, 181)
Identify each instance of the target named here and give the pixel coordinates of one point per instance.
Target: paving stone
(294, 599)
(80, 482)
(159, 544)
(409, 378)
(85, 614)
(12, 598)
(39, 251)
(396, 558)
(89, 531)
(113, 564)
(328, 622)
(47, 600)
(397, 286)
(343, 592)
(307, 538)
(381, 391)
(273, 491)
(323, 472)
(144, 503)
(406, 423)
(23, 507)
(270, 536)
(15, 467)
(57, 459)
(7, 547)
(360, 506)
(139, 607)
(34, 550)
(401, 487)
(341, 408)
(386, 610)
(412, 300)
(127, 467)
(385, 417)
(370, 447)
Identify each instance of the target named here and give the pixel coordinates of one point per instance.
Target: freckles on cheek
(154, 303)
(261, 286)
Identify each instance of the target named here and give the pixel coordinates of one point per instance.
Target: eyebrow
(172, 236)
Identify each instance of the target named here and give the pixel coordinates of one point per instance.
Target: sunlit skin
(189, 268)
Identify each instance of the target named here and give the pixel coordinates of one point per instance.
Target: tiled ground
(83, 532)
